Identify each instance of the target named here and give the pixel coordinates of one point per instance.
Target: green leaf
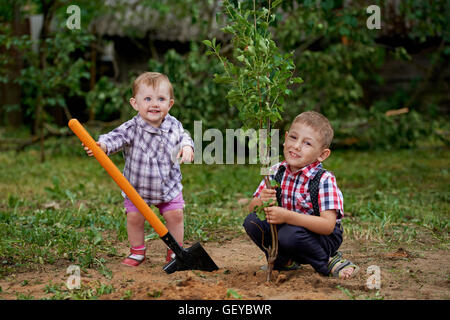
(297, 80)
(274, 184)
(222, 79)
(262, 45)
(207, 43)
(276, 3)
(233, 293)
(259, 210)
(98, 239)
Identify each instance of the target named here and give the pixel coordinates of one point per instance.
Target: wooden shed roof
(140, 20)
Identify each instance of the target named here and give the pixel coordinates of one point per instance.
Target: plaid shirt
(148, 153)
(295, 194)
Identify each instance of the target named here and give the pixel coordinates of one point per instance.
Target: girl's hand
(89, 151)
(269, 195)
(276, 215)
(186, 154)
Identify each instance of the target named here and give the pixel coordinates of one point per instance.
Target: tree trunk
(48, 9)
(10, 92)
(273, 248)
(93, 69)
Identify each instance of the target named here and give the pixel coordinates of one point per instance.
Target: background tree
(55, 71)
(257, 74)
(349, 70)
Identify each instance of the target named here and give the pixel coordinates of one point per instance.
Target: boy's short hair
(319, 123)
(152, 79)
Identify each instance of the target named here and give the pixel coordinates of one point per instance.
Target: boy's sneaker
(337, 255)
(288, 267)
(293, 266)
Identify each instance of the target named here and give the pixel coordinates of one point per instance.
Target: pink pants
(174, 204)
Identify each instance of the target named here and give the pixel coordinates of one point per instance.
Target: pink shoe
(132, 260)
(170, 254)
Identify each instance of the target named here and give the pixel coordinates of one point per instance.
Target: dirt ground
(405, 274)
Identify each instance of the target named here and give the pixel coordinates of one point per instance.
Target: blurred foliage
(426, 18)
(197, 97)
(52, 72)
(258, 74)
(62, 76)
(333, 52)
(108, 100)
(376, 130)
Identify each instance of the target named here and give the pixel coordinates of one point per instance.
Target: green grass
(58, 291)
(68, 207)
(393, 197)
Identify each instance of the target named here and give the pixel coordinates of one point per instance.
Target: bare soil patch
(406, 273)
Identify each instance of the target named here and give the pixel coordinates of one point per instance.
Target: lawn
(68, 208)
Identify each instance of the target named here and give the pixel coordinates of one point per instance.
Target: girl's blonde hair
(152, 79)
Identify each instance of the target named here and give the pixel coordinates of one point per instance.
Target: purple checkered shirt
(148, 153)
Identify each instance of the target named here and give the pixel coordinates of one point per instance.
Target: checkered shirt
(148, 153)
(295, 195)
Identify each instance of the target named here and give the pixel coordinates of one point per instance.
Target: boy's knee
(292, 237)
(249, 222)
(285, 240)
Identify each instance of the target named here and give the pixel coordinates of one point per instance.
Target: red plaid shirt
(295, 195)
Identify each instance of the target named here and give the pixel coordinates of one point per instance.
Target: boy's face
(153, 104)
(303, 146)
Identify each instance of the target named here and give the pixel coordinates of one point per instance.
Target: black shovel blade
(192, 258)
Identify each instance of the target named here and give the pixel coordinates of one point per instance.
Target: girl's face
(303, 146)
(153, 103)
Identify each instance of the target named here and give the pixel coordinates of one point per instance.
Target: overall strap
(278, 177)
(313, 188)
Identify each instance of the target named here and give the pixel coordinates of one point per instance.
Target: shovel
(192, 258)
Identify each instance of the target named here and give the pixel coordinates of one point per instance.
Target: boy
(304, 238)
(149, 142)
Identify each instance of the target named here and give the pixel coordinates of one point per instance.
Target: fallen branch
(396, 112)
(360, 125)
(20, 144)
(102, 124)
(29, 142)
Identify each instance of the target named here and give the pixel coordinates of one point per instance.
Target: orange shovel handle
(118, 177)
